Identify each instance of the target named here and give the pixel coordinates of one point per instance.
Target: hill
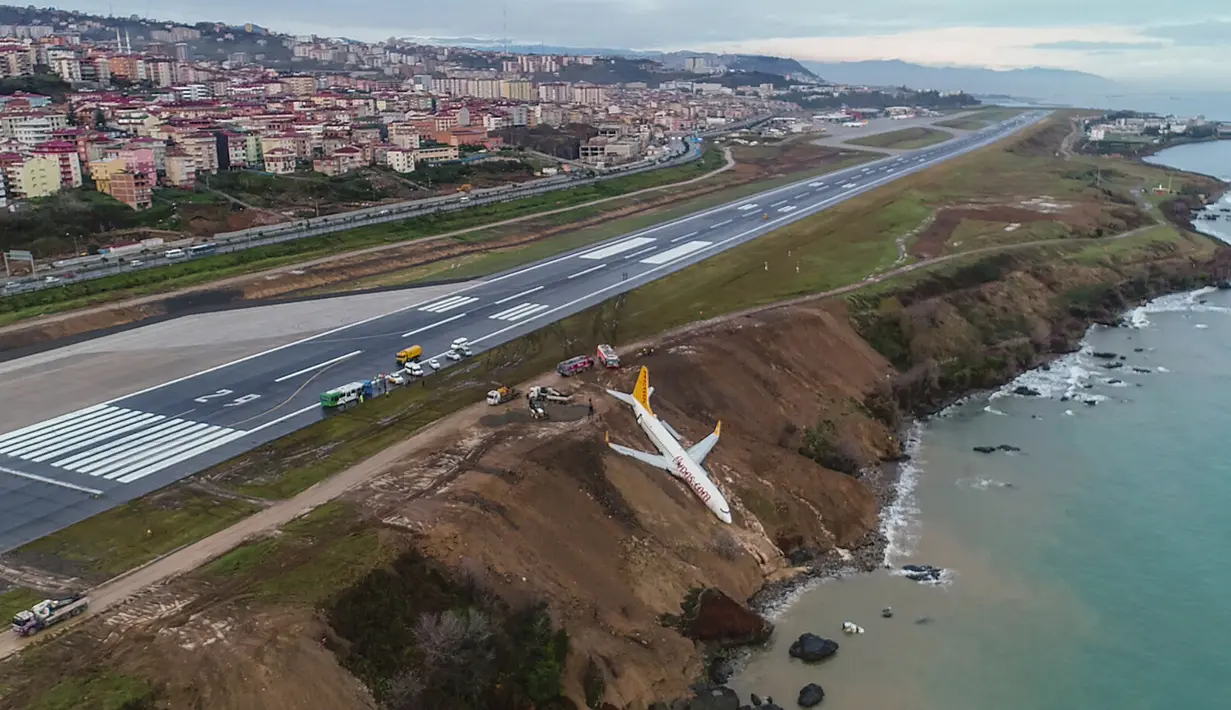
(1035, 82)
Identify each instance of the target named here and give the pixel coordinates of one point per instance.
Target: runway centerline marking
(583, 273)
(519, 295)
(318, 366)
(416, 331)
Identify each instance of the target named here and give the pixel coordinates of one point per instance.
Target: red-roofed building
(65, 153)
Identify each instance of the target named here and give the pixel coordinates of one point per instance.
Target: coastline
(894, 482)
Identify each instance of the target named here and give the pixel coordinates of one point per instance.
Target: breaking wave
(899, 522)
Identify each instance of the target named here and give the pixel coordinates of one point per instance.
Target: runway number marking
(244, 399)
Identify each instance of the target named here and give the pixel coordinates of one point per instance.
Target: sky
(1137, 42)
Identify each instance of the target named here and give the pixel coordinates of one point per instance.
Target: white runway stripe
(115, 430)
(46, 424)
(676, 253)
(166, 441)
(87, 423)
(617, 248)
(448, 304)
(205, 436)
(525, 310)
(183, 456)
(113, 447)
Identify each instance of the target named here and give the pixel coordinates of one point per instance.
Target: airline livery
(674, 459)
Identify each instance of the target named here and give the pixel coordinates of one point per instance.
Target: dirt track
(188, 558)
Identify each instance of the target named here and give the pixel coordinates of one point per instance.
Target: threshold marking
(636, 254)
(617, 248)
(318, 366)
(673, 254)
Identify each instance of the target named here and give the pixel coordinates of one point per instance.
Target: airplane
(674, 459)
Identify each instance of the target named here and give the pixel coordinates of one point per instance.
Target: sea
(1088, 570)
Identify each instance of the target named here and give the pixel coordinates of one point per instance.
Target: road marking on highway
(779, 202)
(591, 269)
(686, 236)
(617, 248)
(788, 208)
(745, 208)
(448, 304)
(523, 311)
(816, 184)
(636, 254)
(673, 254)
(519, 295)
(721, 224)
(434, 325)
(317, 366)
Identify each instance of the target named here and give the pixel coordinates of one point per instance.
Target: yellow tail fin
(641, 392)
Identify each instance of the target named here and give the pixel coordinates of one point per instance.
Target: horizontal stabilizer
(705, 446)
(625, 398)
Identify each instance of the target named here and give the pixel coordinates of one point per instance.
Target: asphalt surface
(62, 470)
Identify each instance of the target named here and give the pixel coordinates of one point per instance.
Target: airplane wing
(670, 430)
(705, 446)
(656, 460)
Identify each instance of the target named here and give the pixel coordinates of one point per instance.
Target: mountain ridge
(1032, 82)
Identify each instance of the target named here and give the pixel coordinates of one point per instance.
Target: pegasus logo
(692, 482)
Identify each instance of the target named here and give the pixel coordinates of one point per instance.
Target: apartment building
(279, 161)
(299, 85)
(181, 170)
(68, 164)
(32, 127)
(32, 177)
(133, 189)
(400, 160)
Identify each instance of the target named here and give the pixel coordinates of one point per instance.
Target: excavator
(539, 394)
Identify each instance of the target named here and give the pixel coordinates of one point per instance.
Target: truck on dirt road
(572, 366)
(48, 612)
(501, 395)
(608, 357)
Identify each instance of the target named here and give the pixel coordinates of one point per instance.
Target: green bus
(342, 396)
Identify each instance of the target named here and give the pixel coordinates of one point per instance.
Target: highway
(62, 470)
(681, 152)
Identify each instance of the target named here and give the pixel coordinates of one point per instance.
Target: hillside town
(137, 105)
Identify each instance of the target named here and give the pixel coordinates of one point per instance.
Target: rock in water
(1006, 447)
(811, 695)
(811, 648)
(717, 699)
(1025, 391)
(887, 612)
(1104, 355)
(985, 449)
(717, 618)
(721, 671)
(755, 699)
(922, 573)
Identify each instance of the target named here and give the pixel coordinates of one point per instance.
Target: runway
(61, 470)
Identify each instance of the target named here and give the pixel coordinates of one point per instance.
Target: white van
(173, 254)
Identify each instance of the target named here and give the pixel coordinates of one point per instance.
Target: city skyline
(1128, 41)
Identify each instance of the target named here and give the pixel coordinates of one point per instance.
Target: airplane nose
(725, 516)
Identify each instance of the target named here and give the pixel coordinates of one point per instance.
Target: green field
(905, 139)
(205, 269)
(496, 260)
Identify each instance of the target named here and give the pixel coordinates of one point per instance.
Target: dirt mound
(613, 544)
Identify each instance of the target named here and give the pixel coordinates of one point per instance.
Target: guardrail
(369, 216)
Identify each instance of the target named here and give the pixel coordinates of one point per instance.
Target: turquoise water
(1098, 579)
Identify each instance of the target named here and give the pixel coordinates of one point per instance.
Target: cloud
(1214, 33)
(1077, 45)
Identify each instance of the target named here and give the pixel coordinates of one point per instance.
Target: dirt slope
(614, 544)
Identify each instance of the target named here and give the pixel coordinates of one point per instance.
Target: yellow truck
(410, 354)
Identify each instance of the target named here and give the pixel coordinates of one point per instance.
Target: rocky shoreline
(885, 479)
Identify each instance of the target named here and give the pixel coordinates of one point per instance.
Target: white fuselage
(684, 468)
